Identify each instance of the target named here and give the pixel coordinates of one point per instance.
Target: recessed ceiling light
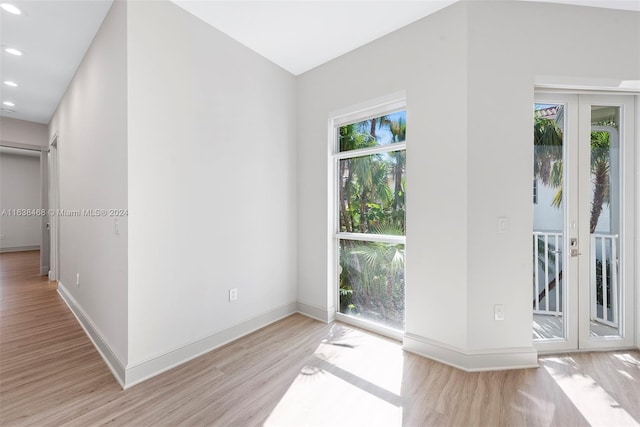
(10, 8)
(13, 51)
(9, 104)
(10, 83)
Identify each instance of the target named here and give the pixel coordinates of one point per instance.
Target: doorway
(583, 204)
(25, 200)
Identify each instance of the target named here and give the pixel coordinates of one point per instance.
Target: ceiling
(297, 35)
(54, 36)
(301, 35)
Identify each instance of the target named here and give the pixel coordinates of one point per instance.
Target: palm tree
(548, 162)
(600, 163)
(371, 191)
(548, 167)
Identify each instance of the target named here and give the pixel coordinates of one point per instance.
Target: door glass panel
(604, 221)
(548, 222)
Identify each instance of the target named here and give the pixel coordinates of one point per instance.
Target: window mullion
(397, 146)
(382, 238)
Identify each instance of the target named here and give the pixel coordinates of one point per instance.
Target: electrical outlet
(78, 279)
(233, 294)
(498, 312)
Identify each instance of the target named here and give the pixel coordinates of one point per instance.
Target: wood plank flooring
(296, 372)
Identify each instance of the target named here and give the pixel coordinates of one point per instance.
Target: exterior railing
(604, 279)
(547, 272)
(548, 275)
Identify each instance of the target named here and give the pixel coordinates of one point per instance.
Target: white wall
(504, 41)
(427, 59)
(91, 124)
(212, 184)
(19, 189)
(23, 132)
(469, 75)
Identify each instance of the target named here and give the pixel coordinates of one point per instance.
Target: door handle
(573, 244)
(48, 226)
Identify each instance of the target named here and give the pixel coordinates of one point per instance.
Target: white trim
(23, 146)
(373, 108)
(585, 85)
(542, 352)
(584, 90)
(370, 326)
(380, 238)
(318, 313)
(99, 341)
(45, 226)
(143, 370)
(636, 273)
(54, 203)
(475, 360)
(20, 248)
(378, 149)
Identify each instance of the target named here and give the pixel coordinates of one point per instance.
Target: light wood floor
(296, 372)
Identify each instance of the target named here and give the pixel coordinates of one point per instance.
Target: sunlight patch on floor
(352, 379)
(627, 358)
(593, 402)
(375, 360)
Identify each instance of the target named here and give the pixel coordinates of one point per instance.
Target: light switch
(503, 225)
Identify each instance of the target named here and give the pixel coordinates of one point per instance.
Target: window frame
(356, 115)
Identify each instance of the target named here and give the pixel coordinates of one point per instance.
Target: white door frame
(576, 193)
(626, 135)
(45, 241)
(54, 206)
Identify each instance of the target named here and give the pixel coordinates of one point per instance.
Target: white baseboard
(99, 342)
(472, 361)
(20, 248)
(138, 372)
(141, 371)
(315, 312)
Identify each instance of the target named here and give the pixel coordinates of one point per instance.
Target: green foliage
(373, 187)
(372, 200)
(372, 281)
(548, 140)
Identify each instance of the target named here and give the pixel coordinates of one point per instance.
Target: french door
(583, 203)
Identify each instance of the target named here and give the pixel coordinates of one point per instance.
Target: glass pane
(377, 131)
(604, 221)
(371, 278)
(548, 222)
(372, 194)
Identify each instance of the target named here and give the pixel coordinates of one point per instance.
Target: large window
(370, 159)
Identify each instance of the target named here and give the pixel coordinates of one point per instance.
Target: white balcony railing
(604, 279)
(547, 272)
(548, 275)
